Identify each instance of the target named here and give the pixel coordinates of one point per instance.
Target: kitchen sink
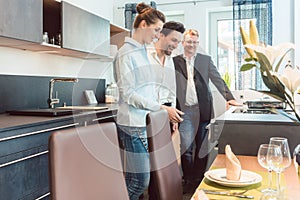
(49, 112)
(83, 108)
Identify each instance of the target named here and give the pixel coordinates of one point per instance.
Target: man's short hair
(172, 26)
(191, 32)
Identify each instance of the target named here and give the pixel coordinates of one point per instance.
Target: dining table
(289, 182)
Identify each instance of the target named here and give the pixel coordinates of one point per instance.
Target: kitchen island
(24, 149)
(246, 131)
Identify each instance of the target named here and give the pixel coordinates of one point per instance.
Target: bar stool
(165, 177)
(85, 163)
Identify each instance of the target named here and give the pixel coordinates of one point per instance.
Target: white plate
(219, 176)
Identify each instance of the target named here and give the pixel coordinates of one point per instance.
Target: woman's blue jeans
(135, 159)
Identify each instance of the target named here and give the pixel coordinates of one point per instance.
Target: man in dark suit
(193, 72)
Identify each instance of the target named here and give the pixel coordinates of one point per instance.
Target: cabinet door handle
(22, 159)
(101, 118)
(37, 132)
(43, 196)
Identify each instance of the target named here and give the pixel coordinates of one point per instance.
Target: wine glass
(267, 156)
(286, 157)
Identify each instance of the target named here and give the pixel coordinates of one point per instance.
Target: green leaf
(263, 61)
(269, 93)
(279, 84)
(275, 86)
(227, 79)
(249, 59)
(246, 67)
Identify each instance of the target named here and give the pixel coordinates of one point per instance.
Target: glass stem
(269, 178)
(278, 176)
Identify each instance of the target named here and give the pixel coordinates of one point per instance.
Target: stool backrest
(85, 163)
(165, 179)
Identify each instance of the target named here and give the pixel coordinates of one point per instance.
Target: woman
(136, 81)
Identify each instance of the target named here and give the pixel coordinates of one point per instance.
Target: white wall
(194, 14)
(297, 31)
(19, 62)
(283, 21)
(97, 7)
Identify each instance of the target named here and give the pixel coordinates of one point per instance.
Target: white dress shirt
(165, 72)
(191, 94)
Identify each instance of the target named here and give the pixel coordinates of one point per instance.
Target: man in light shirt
(160, 58)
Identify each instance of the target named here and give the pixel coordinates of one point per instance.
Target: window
(222, 48)
(177, 16)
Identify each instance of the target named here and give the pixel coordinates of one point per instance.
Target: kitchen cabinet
(84, 31)
(24, 151)
(24, 160)
(72, 31)
(20, 20)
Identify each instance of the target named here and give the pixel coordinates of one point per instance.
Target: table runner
(254, 190)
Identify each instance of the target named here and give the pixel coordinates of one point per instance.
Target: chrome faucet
(51, 100)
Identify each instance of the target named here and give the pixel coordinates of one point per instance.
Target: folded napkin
(199, 195)
(233, 165)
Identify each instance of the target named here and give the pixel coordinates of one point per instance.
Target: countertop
(229, 117)
(10, 122)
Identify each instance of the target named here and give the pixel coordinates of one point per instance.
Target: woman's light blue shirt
(136, 81)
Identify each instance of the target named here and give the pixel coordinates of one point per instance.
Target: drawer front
(22, 141)
(24, 164)
(26, 179)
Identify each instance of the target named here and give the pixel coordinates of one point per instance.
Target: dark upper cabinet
(75, 32)
(84, 31)
(21, 19)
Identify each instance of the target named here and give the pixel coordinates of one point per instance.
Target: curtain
(261, 12)
(130, 13)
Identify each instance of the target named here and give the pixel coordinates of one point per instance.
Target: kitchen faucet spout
(51, 100)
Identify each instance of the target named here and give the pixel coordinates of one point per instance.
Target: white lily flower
(269, 59)
(291, 78)
(273, 53)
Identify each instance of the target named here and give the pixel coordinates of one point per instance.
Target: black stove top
(259, 104)
(253, 111)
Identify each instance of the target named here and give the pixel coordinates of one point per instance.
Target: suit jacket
(204, 70)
